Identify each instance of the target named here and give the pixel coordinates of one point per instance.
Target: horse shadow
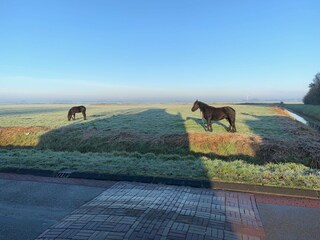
(202, 122)
(249, 114)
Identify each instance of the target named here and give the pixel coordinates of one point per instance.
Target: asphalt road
(28, 208)
(283, 222)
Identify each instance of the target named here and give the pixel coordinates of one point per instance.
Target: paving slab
(149, 211)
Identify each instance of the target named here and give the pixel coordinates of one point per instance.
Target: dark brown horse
(211, 113)
(77, 109)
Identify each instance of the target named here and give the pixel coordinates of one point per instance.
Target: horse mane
(203, 105)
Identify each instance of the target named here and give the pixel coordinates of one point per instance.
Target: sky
(164, 50)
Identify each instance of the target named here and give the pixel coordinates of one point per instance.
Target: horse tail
(232, 109)
(234, 112)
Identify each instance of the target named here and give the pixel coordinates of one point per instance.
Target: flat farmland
(167, 140)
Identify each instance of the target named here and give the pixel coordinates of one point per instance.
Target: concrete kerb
(218, 185)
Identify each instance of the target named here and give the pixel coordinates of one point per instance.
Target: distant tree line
(313, 96)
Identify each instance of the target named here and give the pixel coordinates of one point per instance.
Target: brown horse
(77, 109)
(211, 113)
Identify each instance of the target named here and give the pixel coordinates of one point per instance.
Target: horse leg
(209, 124)
(74, 116)
(84, 115)
(230, 127)
(234, 123)
(234, 127)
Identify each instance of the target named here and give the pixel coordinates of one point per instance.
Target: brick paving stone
(68, 233)
(173, 234)
(92, 225)
(76, 225)
(97, 235)
(148, 211)
(83, 235)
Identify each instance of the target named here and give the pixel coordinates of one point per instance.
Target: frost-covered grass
(144, 122)
(176, 166)
(158, 118)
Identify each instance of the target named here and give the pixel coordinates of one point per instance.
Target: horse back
(77, 109)
(230, 111)
(82, 108)
(223, 112)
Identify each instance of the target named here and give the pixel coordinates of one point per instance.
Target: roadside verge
(217, 185)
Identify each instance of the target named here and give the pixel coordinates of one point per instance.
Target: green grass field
(165, 140)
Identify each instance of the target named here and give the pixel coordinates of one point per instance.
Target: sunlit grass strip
(281, 174)
(173, 166)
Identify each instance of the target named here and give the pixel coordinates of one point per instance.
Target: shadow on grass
(203, 123)
(149, 131)
(277, 138)
(285, 140)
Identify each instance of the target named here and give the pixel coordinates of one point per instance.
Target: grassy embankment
(312, 111)
(165, 140)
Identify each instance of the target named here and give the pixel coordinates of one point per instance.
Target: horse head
(195, 106)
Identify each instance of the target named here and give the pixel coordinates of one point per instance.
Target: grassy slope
(312, 111)
(186, 167)
(163, 130)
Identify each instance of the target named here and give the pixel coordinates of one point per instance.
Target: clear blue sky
(161, 50)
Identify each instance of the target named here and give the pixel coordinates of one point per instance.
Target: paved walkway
(146, 211)
(33, 207)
